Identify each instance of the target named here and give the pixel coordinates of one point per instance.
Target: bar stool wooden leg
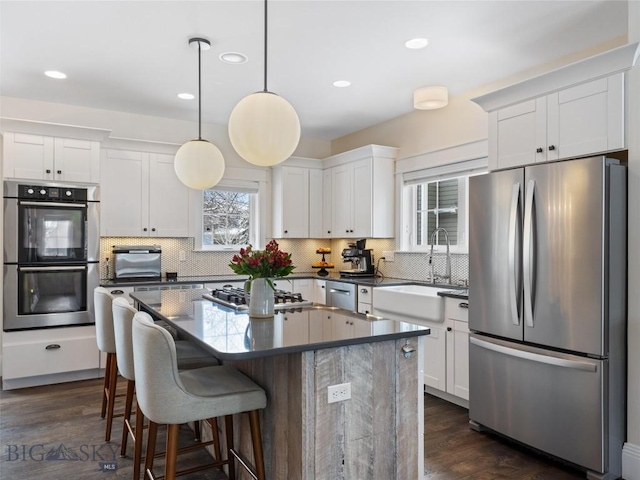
(196, 431)
(111, 400)
(171, 455)
(216, 438)
(137, 443)
(151, 447)
(128, 402)
(256, 439)
(105, 386)
(228, 423)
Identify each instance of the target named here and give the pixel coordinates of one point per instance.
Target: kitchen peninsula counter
(295, 356)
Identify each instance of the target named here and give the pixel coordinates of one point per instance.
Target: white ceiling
(134, 56)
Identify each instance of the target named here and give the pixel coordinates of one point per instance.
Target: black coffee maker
(361, 260)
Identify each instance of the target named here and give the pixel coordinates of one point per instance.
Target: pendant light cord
(199, 93)
(265, 46)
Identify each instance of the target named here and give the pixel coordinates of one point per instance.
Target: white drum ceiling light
(263, 127)
(430, 98)
(199, 164)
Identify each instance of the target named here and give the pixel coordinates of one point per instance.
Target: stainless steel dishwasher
(342, 295)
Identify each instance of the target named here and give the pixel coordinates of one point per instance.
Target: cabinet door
(320, 291)
(28, 156)
(295, 329)
(76, 160)
(587, 118)
(342, 205)
(303, 286)
(327, 202)
(518, 133)
(284, 285)
(435, 349)
(362, 198)
(124, 193)
(458, 358)
(316, 203)
(168, 199)
(295, 202)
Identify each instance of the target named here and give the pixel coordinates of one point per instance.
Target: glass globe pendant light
(199, 164)
(263, 127)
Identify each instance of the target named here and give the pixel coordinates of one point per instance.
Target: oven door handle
(54, 204)
(38, 269)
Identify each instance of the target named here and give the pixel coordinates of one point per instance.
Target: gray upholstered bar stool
(169, 396)
(189, 356)
(105, 338)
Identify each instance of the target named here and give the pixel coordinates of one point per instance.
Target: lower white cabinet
(446, 359)
(365, 295)
(38, 353)
(319, 291)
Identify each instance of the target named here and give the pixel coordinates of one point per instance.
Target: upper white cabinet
(573, 111)
(40, 157)
(297, 201)
(362, 193)
(142, 196)
(577, 121)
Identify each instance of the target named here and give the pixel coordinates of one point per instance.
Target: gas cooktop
(236, 299)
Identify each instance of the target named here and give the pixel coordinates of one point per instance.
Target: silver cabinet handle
(514, 269)
(364, 290)
(53, 346)
(527, 253)
(535, 357)
(463, 305)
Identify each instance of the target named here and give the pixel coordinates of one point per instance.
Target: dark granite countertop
(231, 335)
(462, 293)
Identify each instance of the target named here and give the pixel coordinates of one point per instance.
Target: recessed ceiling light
(341, 83)
(416, 43)
(186, 96)
(55, 74)
(233, 57)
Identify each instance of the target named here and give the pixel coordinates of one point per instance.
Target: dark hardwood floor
(63, 420)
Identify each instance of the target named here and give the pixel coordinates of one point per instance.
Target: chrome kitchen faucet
(447, 274)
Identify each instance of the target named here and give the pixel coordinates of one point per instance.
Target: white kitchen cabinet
(295, 328)
(362, 194)
(37, 357)
(327, 202)
(39, 157)
(365, 296)
(297, 202)
(142, 196)
(319, 291)
(581, 120)
(435, 357)
(456, 313)
(304, 286)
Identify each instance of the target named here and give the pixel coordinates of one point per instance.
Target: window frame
(256, 234)
(408, 202)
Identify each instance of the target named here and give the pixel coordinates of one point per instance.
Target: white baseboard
(631, 461)
(447, 396)
(13, 383)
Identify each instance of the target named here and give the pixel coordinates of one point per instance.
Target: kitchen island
(295, 356)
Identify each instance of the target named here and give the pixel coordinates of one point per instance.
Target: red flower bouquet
(268, 263)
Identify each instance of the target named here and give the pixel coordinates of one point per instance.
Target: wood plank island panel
(377, 434)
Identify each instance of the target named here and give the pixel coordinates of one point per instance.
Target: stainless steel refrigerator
(547, 309)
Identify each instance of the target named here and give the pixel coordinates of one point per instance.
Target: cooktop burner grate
(235, 298)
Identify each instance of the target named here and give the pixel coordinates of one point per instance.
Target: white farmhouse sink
(409, 302)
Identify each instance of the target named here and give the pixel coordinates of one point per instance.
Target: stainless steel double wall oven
(51, 254)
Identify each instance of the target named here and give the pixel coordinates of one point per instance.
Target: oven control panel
(57, 194)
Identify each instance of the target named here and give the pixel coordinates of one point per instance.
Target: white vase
(261, 298)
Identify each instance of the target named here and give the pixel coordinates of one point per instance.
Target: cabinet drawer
(364, 307)
(456, 309)
(63, 355)
(365, 294)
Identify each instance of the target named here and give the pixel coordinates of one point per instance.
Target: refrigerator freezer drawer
(551, 401)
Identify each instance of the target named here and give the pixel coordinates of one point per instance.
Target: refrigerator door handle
(528, 251)
(514, 286)
(535, 357)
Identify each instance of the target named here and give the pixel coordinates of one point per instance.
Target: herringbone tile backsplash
(412, 266)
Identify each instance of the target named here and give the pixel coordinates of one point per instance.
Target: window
(226, 217)
(437, 206)
(229, 217)
(435, 201)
